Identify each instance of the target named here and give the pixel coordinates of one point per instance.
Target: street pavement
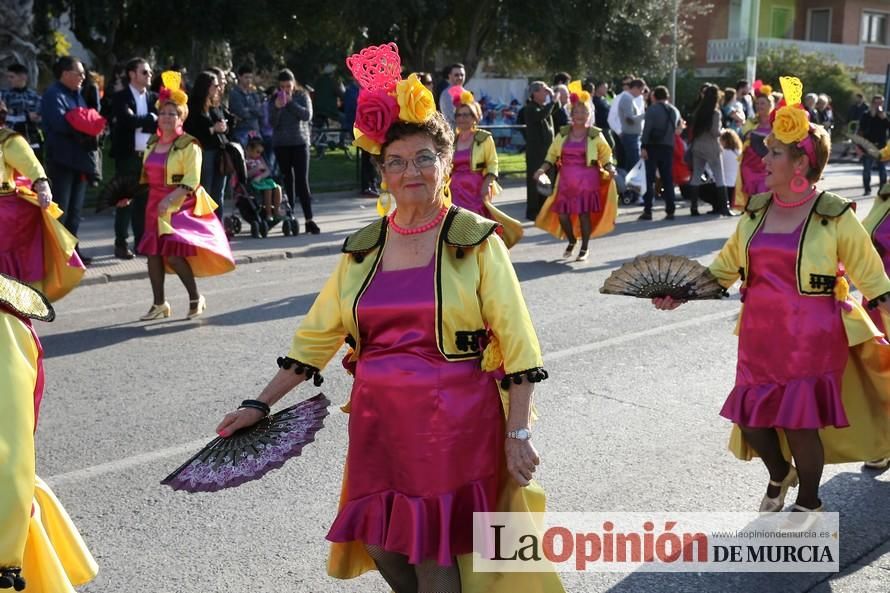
(628, 419)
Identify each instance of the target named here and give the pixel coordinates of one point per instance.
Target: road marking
(89, 473)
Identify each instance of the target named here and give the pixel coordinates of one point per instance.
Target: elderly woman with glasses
(429, 302)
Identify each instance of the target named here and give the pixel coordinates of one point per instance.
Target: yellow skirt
(602, 222)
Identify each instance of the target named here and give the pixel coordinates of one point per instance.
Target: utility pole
(673, 84)
(753, 41)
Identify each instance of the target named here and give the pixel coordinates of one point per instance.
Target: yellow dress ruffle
(56, 558)
(602, 222)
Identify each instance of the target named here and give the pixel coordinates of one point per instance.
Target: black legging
(294, 163)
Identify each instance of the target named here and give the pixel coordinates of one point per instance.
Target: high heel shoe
(774, 505)
(196, 307)
(568, 252)
(582, 255)
(157, 312)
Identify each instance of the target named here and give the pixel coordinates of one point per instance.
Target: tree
(16, 36)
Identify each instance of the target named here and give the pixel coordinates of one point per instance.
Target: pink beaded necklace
(801, 202)
(416, 230)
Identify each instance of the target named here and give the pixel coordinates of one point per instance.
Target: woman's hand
(44, 193)
(220, 127)
(666, 303)
(237, 420)
(522, 458)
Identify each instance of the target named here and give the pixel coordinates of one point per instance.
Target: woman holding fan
(811, 380)
(428, 300)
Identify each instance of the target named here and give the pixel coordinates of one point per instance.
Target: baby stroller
(249, 204)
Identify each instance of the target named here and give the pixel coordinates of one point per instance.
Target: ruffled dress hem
(799, 404)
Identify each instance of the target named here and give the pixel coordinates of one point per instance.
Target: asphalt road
(629, 421)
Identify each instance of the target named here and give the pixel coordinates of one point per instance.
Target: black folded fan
(251, 452)
(650, 276)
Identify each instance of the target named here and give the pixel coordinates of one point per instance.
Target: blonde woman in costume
(40, 548)
(752, 172)
(34, 246)
(585, 199)
(431, 435)
(813, 370)
(182, 234)
(474, 172)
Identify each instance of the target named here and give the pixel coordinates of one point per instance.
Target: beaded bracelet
(256, 404)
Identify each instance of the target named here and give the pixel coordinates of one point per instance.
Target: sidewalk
(339, 214)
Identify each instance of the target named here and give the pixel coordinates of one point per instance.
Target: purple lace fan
(253, 451)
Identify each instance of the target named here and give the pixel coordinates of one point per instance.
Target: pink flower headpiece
(384, 97)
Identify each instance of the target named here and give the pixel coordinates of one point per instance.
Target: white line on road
(89, 473)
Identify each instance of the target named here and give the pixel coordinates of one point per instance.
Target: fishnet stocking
(403, 577)
(433, 578)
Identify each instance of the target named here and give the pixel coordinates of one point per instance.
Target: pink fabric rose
(375, 113)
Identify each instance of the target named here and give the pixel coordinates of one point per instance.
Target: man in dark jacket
(874, 126)
(69, 154)
(134, 120)
(537, 116)
(660, 126)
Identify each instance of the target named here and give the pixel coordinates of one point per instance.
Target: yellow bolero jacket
(832, 239)
(476, 290)
(879, 211)
(598, 150)
(16, 155)
(484, 157)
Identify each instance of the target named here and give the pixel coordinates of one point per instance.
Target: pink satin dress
(21, 239)
(426, 435)
(792, 348)
(466, 184)
(752, 168)
(881, 238)
(579, 185)
(194, 237)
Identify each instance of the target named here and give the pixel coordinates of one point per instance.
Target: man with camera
(873, 126)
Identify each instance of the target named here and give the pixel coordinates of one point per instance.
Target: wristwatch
(523, 434)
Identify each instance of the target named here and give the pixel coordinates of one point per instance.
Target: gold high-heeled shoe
(157, 312)
(774, 505)
(196, 308)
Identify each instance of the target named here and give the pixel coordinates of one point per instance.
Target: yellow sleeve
(885, 153)
(191, 166)
(603, 152)
(504, 310)
(322, 332)
(20, 156)
(860, 258)
(491, 157)
(554, 152)
(725, 266)
(18, 375)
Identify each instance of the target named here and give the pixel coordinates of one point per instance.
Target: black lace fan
(252, 452)
(124, 187)
(650, 276)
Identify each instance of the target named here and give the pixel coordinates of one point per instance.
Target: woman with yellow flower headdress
(813, 370)
(444, 359)
(585, 199)
(182, 234)
(752, 173)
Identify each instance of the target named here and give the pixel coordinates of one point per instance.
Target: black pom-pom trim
(824, 222)
(873, 304)
(533, 375)
(459, 253)
(358, 257)
(753, 216)
(350, 341)
(301, 368)
(11, 578)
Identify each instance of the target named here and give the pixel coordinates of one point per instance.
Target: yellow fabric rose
(365, 143)
(466, 98)
(416, 103)
(791, 125)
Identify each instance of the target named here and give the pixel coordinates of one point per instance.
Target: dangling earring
(799, 183)
(446, 192)
(384, 200)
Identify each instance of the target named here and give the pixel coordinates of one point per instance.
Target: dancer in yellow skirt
(34, 246)
(585, 199)
(39, 546)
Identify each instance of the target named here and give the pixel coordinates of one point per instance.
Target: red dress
(425, 434)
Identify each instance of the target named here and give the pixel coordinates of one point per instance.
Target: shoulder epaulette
(184, 141)
(830, 205)
(367, 238)
(481, 136)
(23, 300)
(593, 132)
(467, 229)
(6, 134)
(564, 130)
(758, 202)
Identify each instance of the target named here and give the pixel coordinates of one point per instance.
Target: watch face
(523, 434)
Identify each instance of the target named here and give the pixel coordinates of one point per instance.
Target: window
(780, 22)
(874, 28)
(737, 27)
(819, 28)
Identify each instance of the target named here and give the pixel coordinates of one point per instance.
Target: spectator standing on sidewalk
(367, 171)
(662, 120)
(23, 104)
(69, 161)
(873, 126)
(537, 116)
(601, 108)
(207, 124)
(135, 119)
(631, 114)
(457, 74)
(246, 103)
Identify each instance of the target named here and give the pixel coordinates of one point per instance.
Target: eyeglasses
(456, 115)
(146, 72)
(421, 162)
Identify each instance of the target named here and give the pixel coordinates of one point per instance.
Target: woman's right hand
(237, 420)
(666, 303)
(220, 127)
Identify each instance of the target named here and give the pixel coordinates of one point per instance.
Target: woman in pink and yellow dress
(585, 199)
(752, 172)
(474, 173)
(430, 303)
(813, 371)
(34, 246)
(182, 234)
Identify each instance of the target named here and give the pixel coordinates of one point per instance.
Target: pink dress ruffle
(792, 348)
(881, 238)
(579, 185)
(466, 184)
(425, 434)
(21, 239)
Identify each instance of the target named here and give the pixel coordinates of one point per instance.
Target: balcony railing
(722, 51)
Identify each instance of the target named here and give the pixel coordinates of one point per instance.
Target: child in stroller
(276, 209)
(259, 176)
